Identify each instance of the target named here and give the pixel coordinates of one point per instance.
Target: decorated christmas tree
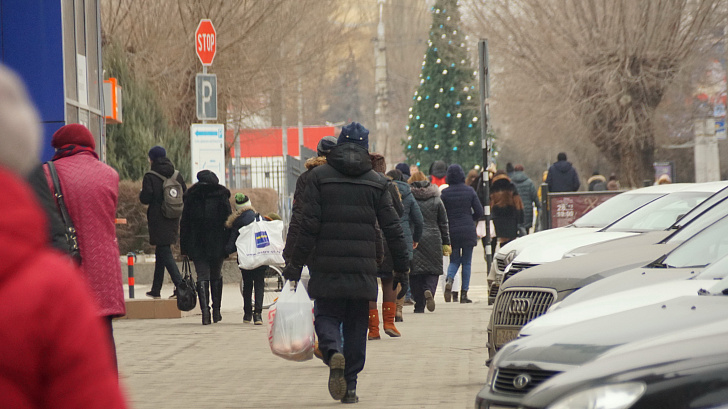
(444, 121)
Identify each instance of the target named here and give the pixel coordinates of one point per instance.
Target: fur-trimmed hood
(314, 162)
(424, 190)
(378, 162)
(599, 178)
(235, 214)
(500, 177)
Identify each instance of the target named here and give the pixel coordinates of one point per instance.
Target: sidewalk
(437, 363)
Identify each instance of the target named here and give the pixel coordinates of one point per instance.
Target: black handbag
(186, 289)
(71, 236)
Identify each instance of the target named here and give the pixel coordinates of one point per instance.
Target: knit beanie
(207, 176)
(73, 134)
(241, 200)
(156, 153)
(404, 168)
(354, 133)
(325, 144)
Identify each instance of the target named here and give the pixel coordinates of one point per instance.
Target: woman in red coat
(91, 189)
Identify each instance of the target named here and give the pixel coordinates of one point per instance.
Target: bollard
(130, 264)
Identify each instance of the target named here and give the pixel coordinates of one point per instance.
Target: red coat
(54, 349)
(91, 191)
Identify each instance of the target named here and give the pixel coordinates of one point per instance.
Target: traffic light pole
(484, 115)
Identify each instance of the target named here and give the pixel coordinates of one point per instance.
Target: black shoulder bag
(71, 236)
(186, 293)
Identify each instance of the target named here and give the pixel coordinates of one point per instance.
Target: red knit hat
(73, 134)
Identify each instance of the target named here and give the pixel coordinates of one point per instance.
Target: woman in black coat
(506, 207)
(435, 241)
(463, 211)
(203, 237)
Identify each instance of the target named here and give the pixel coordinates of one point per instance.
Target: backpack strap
(159, 175)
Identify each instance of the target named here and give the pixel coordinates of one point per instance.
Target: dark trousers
(419, 283)
(253, 279)
(164, 259)
(208, 268)
(330, 314)
(108, 320)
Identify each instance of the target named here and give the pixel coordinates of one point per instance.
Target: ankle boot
(216, 292)
(464, 299)
(448, 289)
(454, 296)
(374, 324)
(398, 310)
(389, 310)
(203, 292)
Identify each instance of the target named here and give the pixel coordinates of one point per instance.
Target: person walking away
(597, 182)
(412, 225)
(343, 201)
(57, 229)
(55, 345)
(463, 210)
(438, 172)
(613, 183)
(562, 176)
(506, 208)
(435, 242)
(163, 224)
(529, 196)
(243, 215)
(405, 169)
(385, 269)
(91, 193)
(203, 237)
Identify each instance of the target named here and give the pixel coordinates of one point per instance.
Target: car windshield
(704, 248)
(660, 213)
(615, 208)
(716, 271)
(698, 224)
(706, 206)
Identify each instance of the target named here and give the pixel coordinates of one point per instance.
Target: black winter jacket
(162, 231)
(428, 254)
(343, 201)
(202, 229)
(506, 207)
(387, 266)
(297, 209)
(562, 177)
(56, 228)
(529, 196)
(239, 218)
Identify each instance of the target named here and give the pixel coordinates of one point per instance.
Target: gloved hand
(292, 272)
(446, 250)
(401, 278)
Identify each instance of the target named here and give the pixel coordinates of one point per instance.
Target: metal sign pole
(484, 96)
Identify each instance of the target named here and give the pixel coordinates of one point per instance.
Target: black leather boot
(464, 298)
(350, 397)
(454, 296)
(203, 292)
(216, 292)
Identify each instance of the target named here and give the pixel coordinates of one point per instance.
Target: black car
(686, 369)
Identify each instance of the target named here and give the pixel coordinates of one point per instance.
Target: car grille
(493, 290)
(515, 269)
(504, 379)
(501, 263)
(517, 307)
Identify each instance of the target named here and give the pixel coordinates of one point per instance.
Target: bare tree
(609, 62)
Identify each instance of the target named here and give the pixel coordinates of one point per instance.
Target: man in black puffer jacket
(342, 202)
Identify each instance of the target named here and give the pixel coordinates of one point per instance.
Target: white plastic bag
(290, 325)
(480, 229)
(260, 244)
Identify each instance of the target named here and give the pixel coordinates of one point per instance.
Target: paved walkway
(437, 363)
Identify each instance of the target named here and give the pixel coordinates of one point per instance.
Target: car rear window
(660, 213)
(615, 208)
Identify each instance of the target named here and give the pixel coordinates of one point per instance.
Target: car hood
(572, 273)
(552, 248)
(612, 304)
(573, 345)
(650, 237)
(546, 236)
(679, 352)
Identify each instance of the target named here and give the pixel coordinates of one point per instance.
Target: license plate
(503, 336)
(501, 407)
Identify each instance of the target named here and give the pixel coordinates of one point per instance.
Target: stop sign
(205, 41)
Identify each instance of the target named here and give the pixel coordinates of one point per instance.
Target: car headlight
(617, 396)
(491, 374)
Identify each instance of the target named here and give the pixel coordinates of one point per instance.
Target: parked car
(538, 288)
(525, 363)
(685, 369)
(659, 213)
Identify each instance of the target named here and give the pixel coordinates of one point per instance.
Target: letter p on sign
(205, 42)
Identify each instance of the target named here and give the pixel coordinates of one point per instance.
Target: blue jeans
(460, 256)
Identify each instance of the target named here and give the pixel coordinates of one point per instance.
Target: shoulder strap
(175, 175)
(159, 175)
(58, 193)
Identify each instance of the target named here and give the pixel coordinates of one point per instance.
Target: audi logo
(519, 306)
(521, 381)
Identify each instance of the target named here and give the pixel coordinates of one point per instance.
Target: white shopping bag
(260, 244)
(290, 325)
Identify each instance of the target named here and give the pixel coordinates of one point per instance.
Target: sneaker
(429, 301)
(350, 397)
(257, 319)
(337, 383)
(152, 295)
(247, 317)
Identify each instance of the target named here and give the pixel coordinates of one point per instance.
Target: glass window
(69, 50)
(80, 27)
(705, 248)
(92, 56)
(661, 213)
(71, 114)
(615, 208)
(699, 223)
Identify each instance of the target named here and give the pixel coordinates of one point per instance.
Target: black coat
(343, 201)
(463, 210)
(387, 266)
(562, 177)
(56, 228)
(506, 207)
(428, 254)
(162, 231)
(411, 219)
(297, 209)
(203, 234)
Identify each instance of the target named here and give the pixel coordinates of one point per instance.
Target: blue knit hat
(157, 152)
(404, 168)
(354, 133)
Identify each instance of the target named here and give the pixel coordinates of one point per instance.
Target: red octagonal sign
(205, 41)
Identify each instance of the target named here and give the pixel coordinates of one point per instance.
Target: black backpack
(172, 203)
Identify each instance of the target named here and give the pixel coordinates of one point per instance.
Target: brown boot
(388, 312)
(398, 311)
(374, 324)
